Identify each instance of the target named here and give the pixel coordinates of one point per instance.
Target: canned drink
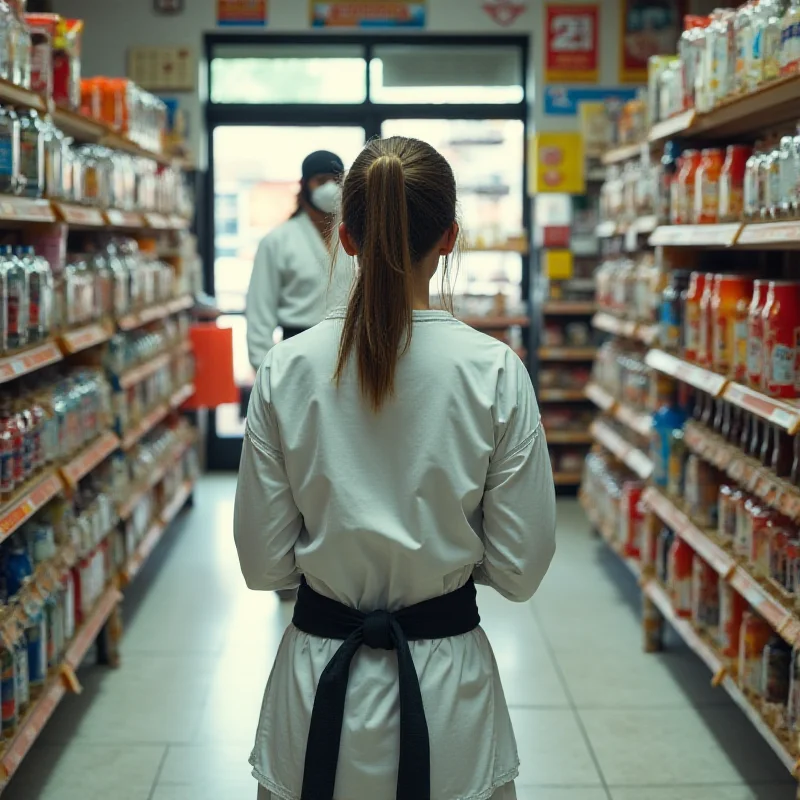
(781, 322)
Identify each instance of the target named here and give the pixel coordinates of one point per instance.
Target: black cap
(322, 162)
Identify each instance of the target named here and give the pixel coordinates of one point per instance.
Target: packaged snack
(732, 607)
(755, 635)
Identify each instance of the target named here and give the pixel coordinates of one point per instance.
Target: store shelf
(180, 396)
(79, 216)
(680, 123)
(568, 437)
(145, 425)
(567, 353)
(702, 542)
(771, 235)
(83, 338)
(700, 378)
(27, 361)
(785, 414)
(153, 479)
(560, 395)
(786, 757)
(777, 492)
(623, 450)
(147, 315)
(684, 628)
(603, 399)
(624, 152)
(639, 422)
(756, 112)
(569, 308)
(603, 321)
(128, 220)
(607, 229)
(779, 615)
(607, 535)
(138, 374)
(42, 709)
(155, 533)
(567, 478)
(27, 503)
(717, 664)
(696, 235)
(89, 458)
(495, 323)
(25, 210)
(14, 95)
(507, 247)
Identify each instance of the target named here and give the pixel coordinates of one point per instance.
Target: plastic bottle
(15, 278)
(705, 350)
(32, 154)
(781, 320)
(731, 295)
(683, 207)
(667, 419)
(691, 315)
(9, 150)
(668, 174)
(743, 37)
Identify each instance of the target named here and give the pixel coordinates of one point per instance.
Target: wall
(114, 25)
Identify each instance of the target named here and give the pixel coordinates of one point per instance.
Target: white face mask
(327, 197)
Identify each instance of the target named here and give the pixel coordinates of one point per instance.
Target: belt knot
(378, 630)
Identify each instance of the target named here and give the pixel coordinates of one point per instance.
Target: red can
(755, 335)
(781, 320)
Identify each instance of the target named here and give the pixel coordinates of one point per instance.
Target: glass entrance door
(255, 185)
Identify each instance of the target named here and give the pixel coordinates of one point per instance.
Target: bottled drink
(15, 280)
(31, 137)
(9, 150)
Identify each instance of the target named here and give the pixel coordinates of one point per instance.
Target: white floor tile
(552, 749)
(653, 747)
(88, 772)
(560, 793)
(766, 792)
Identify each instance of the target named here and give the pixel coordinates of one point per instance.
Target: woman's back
(392, 502)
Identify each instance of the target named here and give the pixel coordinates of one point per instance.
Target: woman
(392, 456)
(289, 285)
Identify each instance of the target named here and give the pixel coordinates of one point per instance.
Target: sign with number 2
(572, 45)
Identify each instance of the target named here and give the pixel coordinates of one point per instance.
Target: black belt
(289, 332)
(451, 614)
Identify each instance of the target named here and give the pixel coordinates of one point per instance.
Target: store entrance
(272, 101)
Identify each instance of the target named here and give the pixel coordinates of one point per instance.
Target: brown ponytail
(398, 200)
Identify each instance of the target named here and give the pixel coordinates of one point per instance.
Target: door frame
(223, 453)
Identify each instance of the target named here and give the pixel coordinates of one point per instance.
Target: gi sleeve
(263, 296)
(519, 506)
(266, 521)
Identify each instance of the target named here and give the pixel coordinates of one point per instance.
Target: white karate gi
(380, 511)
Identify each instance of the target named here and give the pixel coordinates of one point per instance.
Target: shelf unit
(744, 118)
(19, 213)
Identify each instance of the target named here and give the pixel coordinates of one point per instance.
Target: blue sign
(563, 101)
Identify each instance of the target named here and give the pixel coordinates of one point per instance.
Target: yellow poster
(558, 265)
(557, 164)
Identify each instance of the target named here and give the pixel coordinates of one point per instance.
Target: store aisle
(595, 717)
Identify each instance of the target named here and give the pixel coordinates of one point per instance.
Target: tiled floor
(596, 719)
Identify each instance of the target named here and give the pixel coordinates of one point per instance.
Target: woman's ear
(346, 239)
(449, 240)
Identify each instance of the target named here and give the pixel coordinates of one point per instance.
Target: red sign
(571, 43)
(504, 12)
(245, 13)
